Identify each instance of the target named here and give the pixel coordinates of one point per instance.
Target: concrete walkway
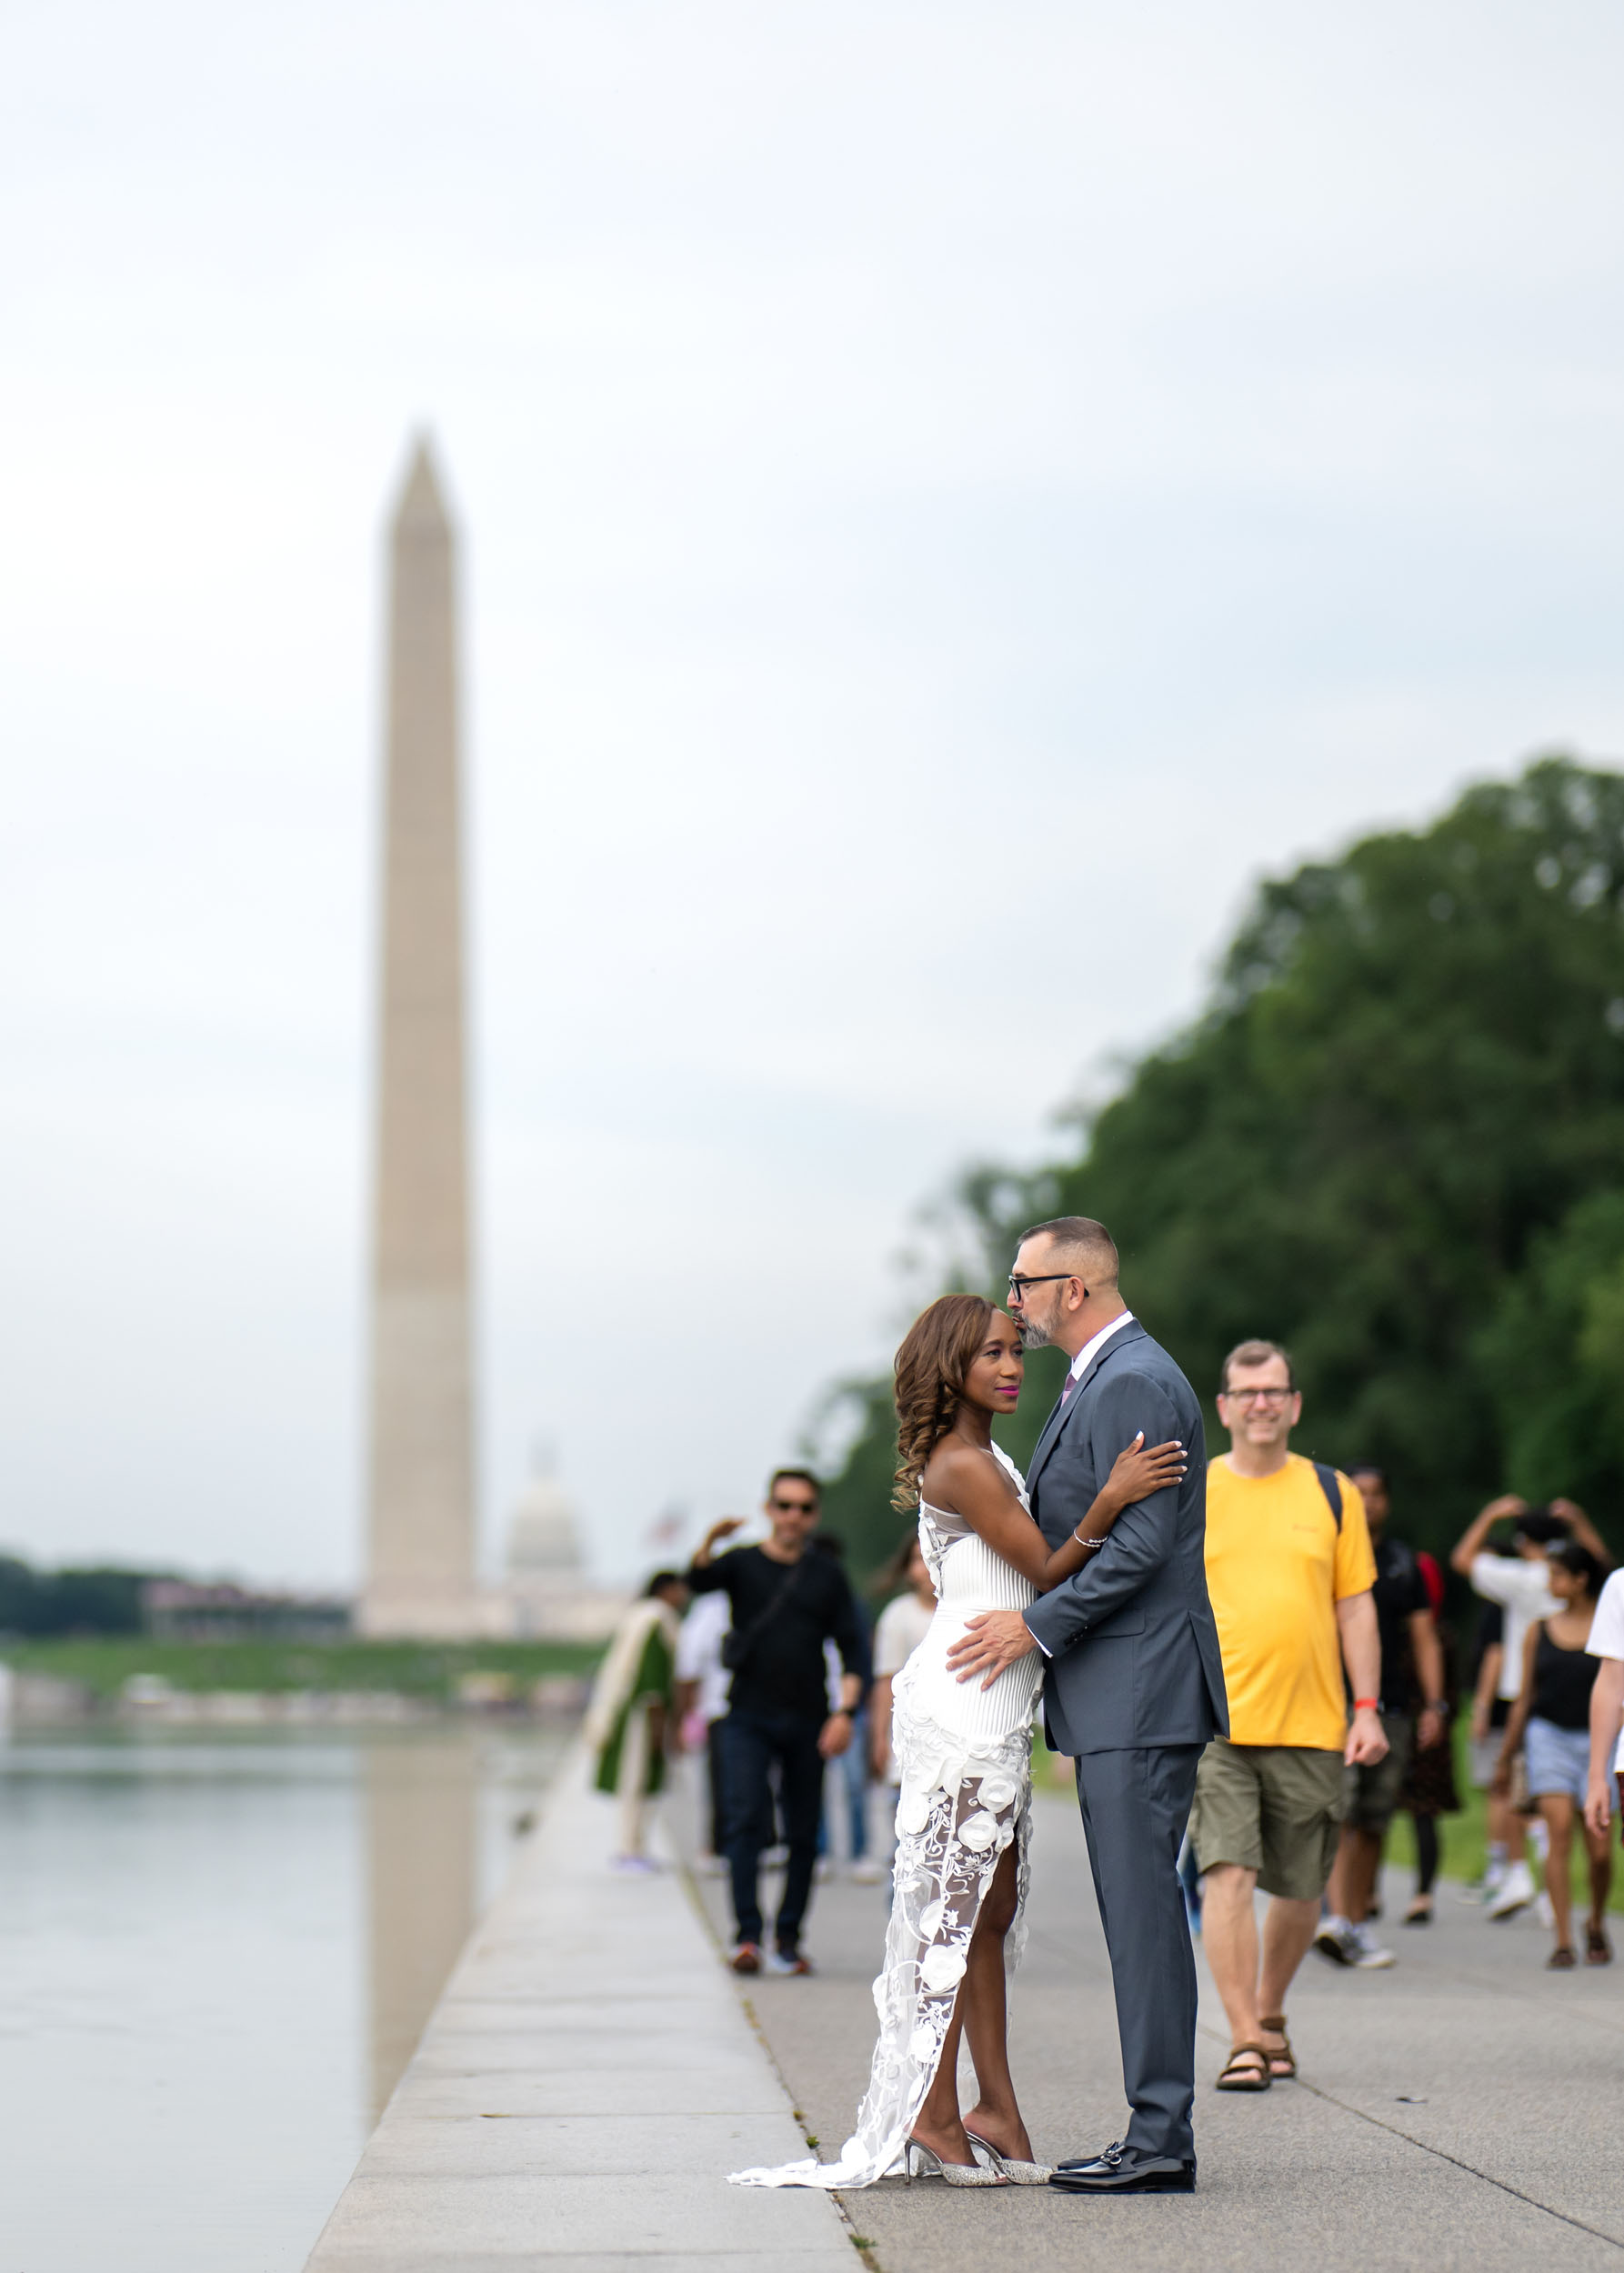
(1465, 2109)
(586, 2081)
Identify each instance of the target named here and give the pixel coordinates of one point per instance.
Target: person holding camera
(786, 1604)
(1519, 1584)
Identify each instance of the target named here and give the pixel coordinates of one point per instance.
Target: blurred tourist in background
(1604, 1791)
(629, 1720)
(1552, 1712)
(786, 1602)
(1429, 1787)
(1519, 1584)
(846, 1778)
(902, 1625)
(1413, 1716)
(702, 1683)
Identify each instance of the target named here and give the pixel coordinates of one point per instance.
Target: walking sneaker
(1545, 1913)
(1485, 1889)
(1339, 1941)
(745, 1959)
(1514, 1893)
(1368, 1954)
(867, 1872)
(788, 1961)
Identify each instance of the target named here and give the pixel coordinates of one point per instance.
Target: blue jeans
(752, 1744)
(851, 1776)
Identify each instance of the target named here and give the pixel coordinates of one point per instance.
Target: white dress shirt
(1095, 1344)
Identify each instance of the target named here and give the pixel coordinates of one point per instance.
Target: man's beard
(1032, 1335)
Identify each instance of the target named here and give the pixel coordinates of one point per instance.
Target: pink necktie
(1071, 1385)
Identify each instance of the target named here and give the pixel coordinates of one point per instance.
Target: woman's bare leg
(1557, 1810)
(995, 2116)
(937, 2125)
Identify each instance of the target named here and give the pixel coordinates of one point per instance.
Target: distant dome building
(541, 1537)
(549, 1594)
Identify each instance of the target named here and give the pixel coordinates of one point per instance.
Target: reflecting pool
(216, 1954)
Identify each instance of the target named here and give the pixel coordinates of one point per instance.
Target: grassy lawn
(430, 1670)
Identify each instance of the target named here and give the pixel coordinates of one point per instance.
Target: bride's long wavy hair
(932, 1366)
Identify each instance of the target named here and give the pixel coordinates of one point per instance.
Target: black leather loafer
(1115, 2172)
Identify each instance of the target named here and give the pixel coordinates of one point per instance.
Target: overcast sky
(950, 495)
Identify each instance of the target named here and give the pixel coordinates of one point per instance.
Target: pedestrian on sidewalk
(1553, 1710)
(785, 1602)
(702, 1684)
(1604, 1791)
(1519, 1583)
(902, 1625)
(846, 1778)
(1290, 1573)
(629, 1719)
(1414, 1718)
(1429, 1789)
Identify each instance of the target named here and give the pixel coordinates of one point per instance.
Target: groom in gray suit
(1134, 1685)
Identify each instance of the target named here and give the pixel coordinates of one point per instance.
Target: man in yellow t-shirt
(1290, 1571)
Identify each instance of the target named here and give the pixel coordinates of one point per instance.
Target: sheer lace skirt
(963, 1802)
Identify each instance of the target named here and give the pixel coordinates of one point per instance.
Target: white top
(1519, 1585)
(903, 1626)
(1606, 1636)
(968, 1577)
(1095, 1342)
(699, 1652)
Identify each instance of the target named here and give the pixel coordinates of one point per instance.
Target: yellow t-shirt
(1277, 1566)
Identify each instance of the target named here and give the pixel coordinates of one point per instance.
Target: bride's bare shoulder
(963, 1479)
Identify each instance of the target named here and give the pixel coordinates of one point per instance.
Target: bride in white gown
(963, 1817)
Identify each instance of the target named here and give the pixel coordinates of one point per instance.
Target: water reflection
(217, 1953)
(420, 1882)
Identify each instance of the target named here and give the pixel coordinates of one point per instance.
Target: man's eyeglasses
(1258, 1396)
(1017, 1284)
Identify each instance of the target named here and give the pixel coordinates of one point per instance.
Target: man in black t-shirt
(1413, 1716)
(787, 1603)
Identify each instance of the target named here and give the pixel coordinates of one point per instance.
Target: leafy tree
(93, 1601)
(1395, 1142)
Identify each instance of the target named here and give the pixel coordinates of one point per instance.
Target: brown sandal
(1598, 1950)
(1560, 1960)
(1276, 2027)
(1234, 2077)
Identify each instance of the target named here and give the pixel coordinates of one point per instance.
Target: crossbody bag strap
(744, 1642)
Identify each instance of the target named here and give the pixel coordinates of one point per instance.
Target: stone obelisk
(420, 1531)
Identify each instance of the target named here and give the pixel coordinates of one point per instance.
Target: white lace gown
(965, 1754)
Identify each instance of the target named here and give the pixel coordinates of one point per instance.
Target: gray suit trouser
(1136, 1804)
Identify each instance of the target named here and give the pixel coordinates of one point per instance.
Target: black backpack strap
(1330, 1484)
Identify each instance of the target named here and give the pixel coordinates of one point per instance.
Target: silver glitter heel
(923, 2162)
(1019, 2174)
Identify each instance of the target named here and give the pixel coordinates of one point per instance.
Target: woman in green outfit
(630, 1712)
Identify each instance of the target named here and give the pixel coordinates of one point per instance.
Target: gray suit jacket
(1132, 1648)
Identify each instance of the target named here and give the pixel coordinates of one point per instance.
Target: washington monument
(420, 1521)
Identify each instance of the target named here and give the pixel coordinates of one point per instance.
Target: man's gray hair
(1256, 1354)
(1082, 1240)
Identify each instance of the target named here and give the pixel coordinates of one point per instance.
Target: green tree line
(1394, 1141)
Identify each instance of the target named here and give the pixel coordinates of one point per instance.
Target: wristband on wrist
(1366, 1704)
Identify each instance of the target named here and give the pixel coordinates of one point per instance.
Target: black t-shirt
(785, 1671)
(1399, 1591)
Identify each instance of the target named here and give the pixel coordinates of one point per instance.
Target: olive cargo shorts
(1274, 1809)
